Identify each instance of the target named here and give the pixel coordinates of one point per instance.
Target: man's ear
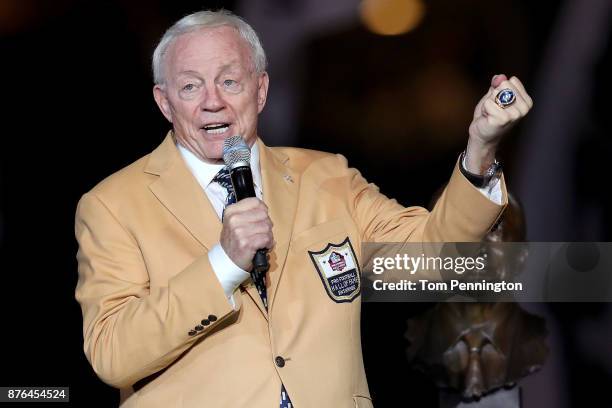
(262, 91)
(162, 101)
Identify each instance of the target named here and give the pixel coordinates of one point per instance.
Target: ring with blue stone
(505, 98)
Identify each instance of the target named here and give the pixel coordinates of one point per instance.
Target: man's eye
(229, 82)
(189, 87)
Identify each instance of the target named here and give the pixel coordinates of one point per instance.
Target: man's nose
(212, 100)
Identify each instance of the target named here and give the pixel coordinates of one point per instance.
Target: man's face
(211, 90)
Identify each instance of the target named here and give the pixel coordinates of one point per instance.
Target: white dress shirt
(228, 273)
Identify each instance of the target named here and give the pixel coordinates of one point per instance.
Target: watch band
(478, 180)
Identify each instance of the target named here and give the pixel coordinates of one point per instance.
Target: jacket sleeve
(462, 214)
(130, 329)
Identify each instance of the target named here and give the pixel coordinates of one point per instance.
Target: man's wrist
(479, 156)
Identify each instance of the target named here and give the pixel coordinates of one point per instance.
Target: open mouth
(216, 128)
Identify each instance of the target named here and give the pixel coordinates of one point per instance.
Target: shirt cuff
(493, 191)
(228, 273)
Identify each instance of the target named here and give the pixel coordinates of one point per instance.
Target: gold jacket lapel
(180, 193)
(280, 190)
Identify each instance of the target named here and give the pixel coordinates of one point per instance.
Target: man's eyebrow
(231, 66)
(189, 72)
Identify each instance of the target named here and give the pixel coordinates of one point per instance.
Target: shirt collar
(205, 172)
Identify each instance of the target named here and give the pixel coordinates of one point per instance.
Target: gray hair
(202, 19)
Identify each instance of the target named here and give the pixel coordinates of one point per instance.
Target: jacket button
(199, 328)
(280, 361)
(192, 332)
(205, 322)
(212, 318)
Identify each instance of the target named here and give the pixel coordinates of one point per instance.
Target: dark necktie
(224, 180)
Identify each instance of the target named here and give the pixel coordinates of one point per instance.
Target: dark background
(77, 106)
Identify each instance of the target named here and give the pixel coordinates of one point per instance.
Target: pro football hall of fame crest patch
(339, 271)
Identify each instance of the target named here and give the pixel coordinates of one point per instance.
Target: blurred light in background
(14, 15)
(391, 17)
(22, 15)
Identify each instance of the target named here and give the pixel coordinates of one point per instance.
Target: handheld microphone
(237, 158)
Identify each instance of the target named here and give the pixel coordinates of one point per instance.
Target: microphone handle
(242, 181)
(260, 261)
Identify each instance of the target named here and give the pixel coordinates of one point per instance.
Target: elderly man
(171, 314)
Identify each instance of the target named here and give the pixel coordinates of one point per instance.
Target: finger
(261, 227)
(247, 205)
(250, 203)
(493, 109)
(498, 79)
(259, 241)
(241, 206)
(519, 86)
(505, 85)
(478, 110)
(262, 204)
(238, 219)
(513, 113)
(497, 122)
(521, 106)
(248, 231)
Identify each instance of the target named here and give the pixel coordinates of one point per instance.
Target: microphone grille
(236, 151)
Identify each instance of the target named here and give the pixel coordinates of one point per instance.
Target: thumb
(497, 80)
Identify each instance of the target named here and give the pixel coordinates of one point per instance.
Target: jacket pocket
(362, 401)
(319, 233)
